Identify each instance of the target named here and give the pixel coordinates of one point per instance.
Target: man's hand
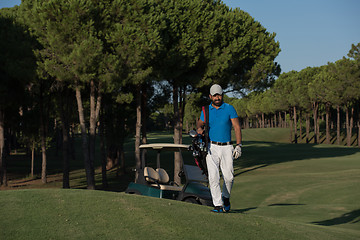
(200, 131)
(237, 152)
(200, 126)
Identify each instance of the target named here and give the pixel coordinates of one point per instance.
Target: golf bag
(200, 144)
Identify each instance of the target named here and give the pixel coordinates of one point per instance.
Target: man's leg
(212, 161)
(227, 170)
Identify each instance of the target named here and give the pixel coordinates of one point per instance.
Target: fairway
(319, 190)
(281, 191)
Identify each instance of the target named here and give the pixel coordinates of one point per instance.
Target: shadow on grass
(251, 169)
(241, 210)
(286, 204)
(256, 155)
(262, 154)
(351, 217)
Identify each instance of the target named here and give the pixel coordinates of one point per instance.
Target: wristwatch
(240, 145)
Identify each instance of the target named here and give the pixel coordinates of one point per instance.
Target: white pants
(220, 158)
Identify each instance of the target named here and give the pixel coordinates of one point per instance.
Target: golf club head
(193, 133)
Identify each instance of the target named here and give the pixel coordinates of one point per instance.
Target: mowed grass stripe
(281, 191)
(323, 191)
(81, 214)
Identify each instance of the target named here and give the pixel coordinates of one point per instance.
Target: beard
(217, 103)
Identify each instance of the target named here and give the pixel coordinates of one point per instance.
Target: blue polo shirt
(220, 122)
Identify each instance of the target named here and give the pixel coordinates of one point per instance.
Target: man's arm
(200, 126)
(236, 124)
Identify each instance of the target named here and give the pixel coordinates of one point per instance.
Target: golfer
(222, 117)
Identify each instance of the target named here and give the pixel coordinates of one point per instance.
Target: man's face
(217, 99)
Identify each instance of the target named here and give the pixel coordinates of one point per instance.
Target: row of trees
(300, 100)
(100, 67)
(332, 91)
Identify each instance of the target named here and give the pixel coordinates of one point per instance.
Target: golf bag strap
(206, 118)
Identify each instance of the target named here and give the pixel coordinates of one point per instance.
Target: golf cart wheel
(133, 191)
(192, 200)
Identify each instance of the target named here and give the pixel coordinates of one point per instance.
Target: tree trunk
(3, 178)
(143, 113)
(280, 120)
(318, 129)
(327, 123)
(71, 142)
(66, 155)
(103, 152)
(32, 159)
(300, 126)
(307, 128)
(338, 125)
(347, 126)
(121, 156)
(92, 130)
(177, 134)
(275, 121)
(143, 118)
(358, 125)
(291, 127)
(94, 116)
(295, 126)
(358, 135)
(138, 134)
(65, 152)
(43, 139)
(247, 122)
(315, 110)
(259, 121)
(351, 122)
(65, 141)
(90, 178)
(351, 126)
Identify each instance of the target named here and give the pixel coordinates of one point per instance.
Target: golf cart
(156, 183)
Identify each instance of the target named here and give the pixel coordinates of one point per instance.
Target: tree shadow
(251, 169)
(286, 204)
(351, 217)
(262, 154)
(241, 210)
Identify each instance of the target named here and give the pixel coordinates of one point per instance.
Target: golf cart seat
(154, 179)
(151, 176)
(164, 176)
(194, 174)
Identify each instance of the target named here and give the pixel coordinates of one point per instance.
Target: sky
(311, 33)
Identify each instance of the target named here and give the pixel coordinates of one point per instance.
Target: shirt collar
(221, 106)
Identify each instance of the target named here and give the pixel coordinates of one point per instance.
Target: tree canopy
(113, 56)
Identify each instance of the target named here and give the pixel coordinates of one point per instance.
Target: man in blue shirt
(222, 117)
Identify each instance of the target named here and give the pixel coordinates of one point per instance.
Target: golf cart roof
(165, 146)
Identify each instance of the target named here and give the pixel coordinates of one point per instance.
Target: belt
(221, 143)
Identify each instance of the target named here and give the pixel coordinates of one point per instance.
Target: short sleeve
(232, 111)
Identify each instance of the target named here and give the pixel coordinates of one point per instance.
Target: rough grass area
(281, 191)
(279, 135)
(81, 214)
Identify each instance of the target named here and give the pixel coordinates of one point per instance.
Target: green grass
(281, 191)
(81, 214)
(280, 135)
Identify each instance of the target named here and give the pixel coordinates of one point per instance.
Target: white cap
(216, 89)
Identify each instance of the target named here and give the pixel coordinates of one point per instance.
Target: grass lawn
(281, 191)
